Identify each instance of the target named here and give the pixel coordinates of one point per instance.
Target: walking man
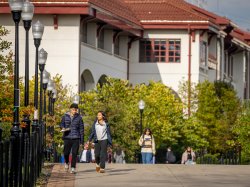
(72, 128)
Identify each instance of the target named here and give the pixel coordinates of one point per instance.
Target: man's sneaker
(73, 170)
(102, 170)
(97, 168)
(66, 167)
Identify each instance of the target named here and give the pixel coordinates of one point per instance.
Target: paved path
(136, 175)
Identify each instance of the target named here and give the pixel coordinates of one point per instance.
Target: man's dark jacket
(76, 127)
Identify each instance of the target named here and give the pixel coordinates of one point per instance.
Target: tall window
(84, 32)
(101, 39)
(203, 53)
(117, 46)
(160, 50)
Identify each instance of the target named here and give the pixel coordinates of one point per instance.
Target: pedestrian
(72, 127)
(188, 157)
(92, 152)
(147, 144)
(86, 154)
(119, 156)
(109, 156)
(100, 132)
(170, 157)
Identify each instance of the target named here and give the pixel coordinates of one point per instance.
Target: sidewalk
(162, 175)
(61, 178)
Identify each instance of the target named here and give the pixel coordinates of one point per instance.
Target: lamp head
(27, 11)
(141, 105)
(16, 5)
(50, 85)
(76, 99)
(37, 30)
(42, 56)
(46, 75)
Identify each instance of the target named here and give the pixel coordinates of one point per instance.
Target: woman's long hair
(103, 116)
(147, 129)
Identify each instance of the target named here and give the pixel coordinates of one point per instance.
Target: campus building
(139, 40)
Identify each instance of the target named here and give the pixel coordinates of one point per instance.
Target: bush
(208, 159)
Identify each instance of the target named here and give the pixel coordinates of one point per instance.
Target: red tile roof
(117, 7)
(241, 35)
(143, 12)
(164, 10)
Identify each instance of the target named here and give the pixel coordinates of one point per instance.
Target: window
(84, 31)
(101, 40)
(160, 50)
(116, 46)
(203, 53)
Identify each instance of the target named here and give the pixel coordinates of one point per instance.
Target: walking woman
(147, 144)
(100, 132)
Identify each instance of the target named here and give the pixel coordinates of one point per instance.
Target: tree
(242, 132)
(119, 100)
(7, 79)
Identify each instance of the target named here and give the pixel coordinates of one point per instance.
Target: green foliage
(6, 79)
(215, 108)
(242, 131)
(119, 100)
(208, 159)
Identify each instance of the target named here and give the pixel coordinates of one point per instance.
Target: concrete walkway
(136, 175)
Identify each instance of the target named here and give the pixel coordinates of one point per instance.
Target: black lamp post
(50, 87)
(46, 77)
(37, 30)
(53, 101)
(141, 106)
(42, 57)
(27, 15)
(16, 9)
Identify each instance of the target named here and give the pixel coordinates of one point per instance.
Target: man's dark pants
(68, 145)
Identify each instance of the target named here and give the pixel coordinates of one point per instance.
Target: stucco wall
(99, 63)
(62, 45)
(238, 75)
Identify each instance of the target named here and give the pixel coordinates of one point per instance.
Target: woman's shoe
(102, 170)
(97, 168)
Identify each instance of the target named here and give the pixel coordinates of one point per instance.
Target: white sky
(236, 10)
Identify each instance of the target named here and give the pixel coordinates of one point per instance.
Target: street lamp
(76, 99)
(141, 106)
(37, 30)
(46, 77)
(27, 15)
(42, 57)
(16, 9)
(50, 87)
(53, 101)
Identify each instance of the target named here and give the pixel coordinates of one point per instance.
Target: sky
(236, 10)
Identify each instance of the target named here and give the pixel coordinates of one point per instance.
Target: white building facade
(88, 40)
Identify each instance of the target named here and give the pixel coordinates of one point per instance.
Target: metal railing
(21, 158)
(228, 157)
